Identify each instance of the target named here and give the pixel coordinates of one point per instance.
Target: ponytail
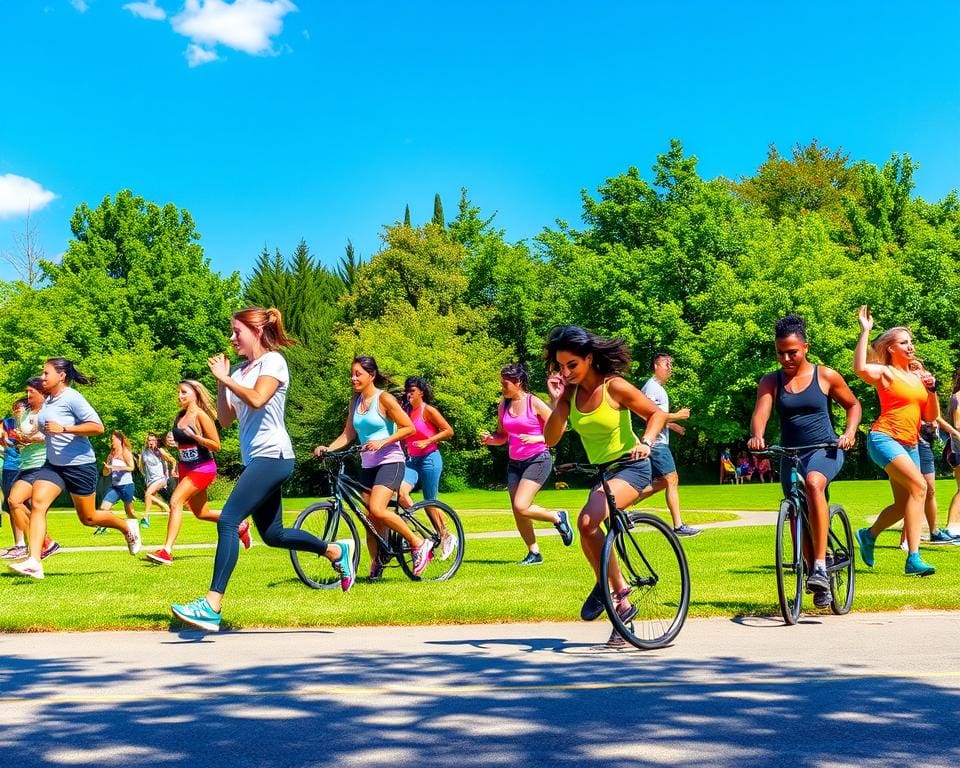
(269, 322)
(66, 367)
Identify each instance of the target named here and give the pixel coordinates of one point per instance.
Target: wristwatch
(646, 442)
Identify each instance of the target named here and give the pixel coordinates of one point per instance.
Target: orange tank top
(900, 407)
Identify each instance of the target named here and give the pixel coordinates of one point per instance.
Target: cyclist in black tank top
(801, 392)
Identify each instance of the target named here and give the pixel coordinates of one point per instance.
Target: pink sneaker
(244, 530)
(29, 567)
(422, 557)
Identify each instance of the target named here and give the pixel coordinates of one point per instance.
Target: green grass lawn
(731, 573)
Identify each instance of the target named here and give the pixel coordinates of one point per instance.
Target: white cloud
(20, 195)
(147, 10)
(244, 25)
(197, 55)
(80, 5)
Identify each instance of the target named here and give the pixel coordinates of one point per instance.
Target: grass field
(731, 572)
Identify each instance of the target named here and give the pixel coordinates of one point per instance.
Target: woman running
(255, 395)
(68, 421)
(378, 422)
(119, 466)
(33, 453)
(195, 434)
(521, 417)
(801, 393)
(587, 387)
(154, 462)
(424, 462)
(906, 399)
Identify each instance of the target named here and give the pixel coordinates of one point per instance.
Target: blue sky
(272, 120)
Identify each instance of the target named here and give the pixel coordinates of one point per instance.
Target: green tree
(438, 212)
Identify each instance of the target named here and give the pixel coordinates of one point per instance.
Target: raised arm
(872, 373)
(560, 395)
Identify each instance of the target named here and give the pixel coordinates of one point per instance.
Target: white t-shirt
(655, 391)
(263, 433)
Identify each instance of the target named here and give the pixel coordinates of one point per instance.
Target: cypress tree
(406, 217)
(438, 211)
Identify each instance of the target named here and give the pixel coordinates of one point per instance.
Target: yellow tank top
(900, 407)
(606, 431)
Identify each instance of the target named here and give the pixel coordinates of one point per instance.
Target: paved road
(866, 689)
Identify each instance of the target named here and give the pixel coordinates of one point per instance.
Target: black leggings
(257, 493)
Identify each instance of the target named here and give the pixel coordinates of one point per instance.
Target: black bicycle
(332, 519)
(652, 561)
(794, 553)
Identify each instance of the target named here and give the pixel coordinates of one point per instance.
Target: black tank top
(805, 417)
(191, 454)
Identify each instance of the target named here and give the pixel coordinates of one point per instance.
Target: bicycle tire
(328, 524)
(841, 564)
(789, 562)
(654, 565)
(420, 522)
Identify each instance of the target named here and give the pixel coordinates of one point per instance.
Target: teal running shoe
(144, 522)
(198, 614)
(916, 567)
(866, 541)
(941, 537)
(344, 564)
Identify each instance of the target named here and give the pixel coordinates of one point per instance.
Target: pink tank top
(422, 429)
(528, 423)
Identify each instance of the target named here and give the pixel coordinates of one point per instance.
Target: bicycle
(652, 562)
(795, 545)
(327, 520)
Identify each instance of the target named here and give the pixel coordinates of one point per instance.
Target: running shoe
(99, 530)
(422, 557)
(866, 540)
(616, 640)
(17, 552)
(532, 558)
(915, 566)
(161, 557)
(904, 547)
(941, 537)
(133, 536)
(625, 609)
(593, 605)
(144, 522)
(822, 599)
(818, 581)
(198, 614)
(243, 530)
(448, 545)
(376, 570)
(344, 564)
(29, 567)
(686, 530)
(51, 549)
(563, 526)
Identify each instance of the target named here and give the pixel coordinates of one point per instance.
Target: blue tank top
(804, 416)
(371, 425)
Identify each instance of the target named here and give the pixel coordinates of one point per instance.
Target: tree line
(668, 261)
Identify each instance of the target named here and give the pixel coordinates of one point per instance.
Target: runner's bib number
(189, 454)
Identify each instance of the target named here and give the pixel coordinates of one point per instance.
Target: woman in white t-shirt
(255, 395)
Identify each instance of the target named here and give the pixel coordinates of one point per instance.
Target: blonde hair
(270, 323)
(880, 348)
(204, 399)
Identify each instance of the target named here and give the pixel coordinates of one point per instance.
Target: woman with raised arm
(68, 421)
(377, 421)
(587, 387)
(801, 393)
(906, 399)
(521, 418)
(255, 395)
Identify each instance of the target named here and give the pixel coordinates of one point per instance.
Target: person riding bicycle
(801, 392)
(587, 387)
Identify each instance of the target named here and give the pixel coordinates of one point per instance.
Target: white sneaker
(448, 545)
(29, 567)
(133, 536)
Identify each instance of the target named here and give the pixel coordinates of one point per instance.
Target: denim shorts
(661, 461)
(882, 449)
(536, 468)
(117, 493)
(637, 474)
(928, 465)
(424, 472)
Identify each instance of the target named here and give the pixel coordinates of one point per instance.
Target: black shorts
(637, 474)
(388, 475)
(27, 475)
(536, 468)
(78, 480)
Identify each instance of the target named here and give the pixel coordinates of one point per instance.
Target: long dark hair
(610, 356)
(517, 373)
(62, 365)
(420, 383)
(368, 364)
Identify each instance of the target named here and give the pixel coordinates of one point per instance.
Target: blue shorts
(827, 461)
(661, 461)
(424, 472)
(117, 493)
(928, 465)
(882, 449)
(637, 474)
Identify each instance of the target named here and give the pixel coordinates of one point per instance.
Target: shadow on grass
(465, 703)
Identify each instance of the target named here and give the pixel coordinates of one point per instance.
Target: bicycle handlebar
(780, 450)
(338, 455)
(593, 468)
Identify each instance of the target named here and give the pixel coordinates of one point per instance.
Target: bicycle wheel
(328, 524)
(654, 565)
(789, 562)
(840, 561)
(436, 521)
